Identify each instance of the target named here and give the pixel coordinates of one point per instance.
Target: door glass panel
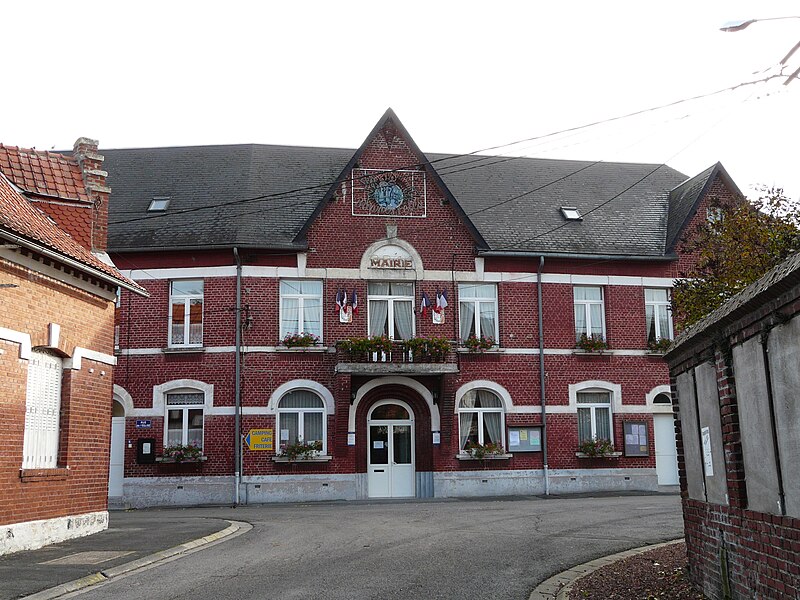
(387, 412)
(401, 438)
(379, 444)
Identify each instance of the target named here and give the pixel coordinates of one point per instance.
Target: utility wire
(325, 185)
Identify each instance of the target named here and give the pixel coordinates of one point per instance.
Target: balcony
(381, 356)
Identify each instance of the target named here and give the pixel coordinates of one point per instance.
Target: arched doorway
(390, 450)
(116, 461)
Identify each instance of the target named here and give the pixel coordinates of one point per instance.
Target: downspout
(542, 376)
(237, 454)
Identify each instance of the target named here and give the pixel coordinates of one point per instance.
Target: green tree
(741, 242)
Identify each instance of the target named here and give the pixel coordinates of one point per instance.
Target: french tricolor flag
(425, 305)
(354, 302)
(441, 301)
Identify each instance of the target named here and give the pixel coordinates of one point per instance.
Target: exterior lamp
(731, 26)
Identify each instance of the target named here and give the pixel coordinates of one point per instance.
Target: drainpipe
(237, 454)
(542, 375)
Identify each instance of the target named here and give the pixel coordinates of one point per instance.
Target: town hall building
(328, 324)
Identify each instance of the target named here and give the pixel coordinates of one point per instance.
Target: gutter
(576, 255)
(75, 264)
(542, 375)
(209, 247)
(237, 441)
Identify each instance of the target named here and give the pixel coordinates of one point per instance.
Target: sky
(462, 77)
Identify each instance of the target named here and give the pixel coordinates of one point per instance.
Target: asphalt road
(484, 548)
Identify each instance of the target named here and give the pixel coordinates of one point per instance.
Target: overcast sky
(462, 76)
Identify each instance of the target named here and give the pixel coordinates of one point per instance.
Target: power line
(293, 192)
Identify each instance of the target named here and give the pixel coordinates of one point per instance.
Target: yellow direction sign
(260, 439)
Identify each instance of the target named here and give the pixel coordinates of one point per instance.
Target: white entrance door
(117, 460)
(666, 451)
(390, 453)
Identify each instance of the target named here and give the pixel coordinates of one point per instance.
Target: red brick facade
(337, 242)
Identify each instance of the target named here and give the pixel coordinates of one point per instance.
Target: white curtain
(312, 423)
(597, 319)
(580, 320)
(403, 320)
(467, 319)
(584, 424)
(378, 313)
(289, 315)
(487, 319)
(492, 423)
(603, 423)
(466, 420)
(312, 315)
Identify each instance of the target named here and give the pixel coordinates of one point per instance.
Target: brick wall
(79, 484)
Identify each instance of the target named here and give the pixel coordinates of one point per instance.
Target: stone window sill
(322, 458)
(172, 461)
(302, 349)
(183, 350)
(494, 350)
(487, 457)
(55, 474)
(599, 456)
(581, 352)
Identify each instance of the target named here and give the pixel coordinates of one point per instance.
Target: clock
(388, 194)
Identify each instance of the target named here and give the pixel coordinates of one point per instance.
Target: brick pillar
(731, 431)
(94, 178)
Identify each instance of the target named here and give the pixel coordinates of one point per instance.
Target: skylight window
(159, 203)
(571, 213)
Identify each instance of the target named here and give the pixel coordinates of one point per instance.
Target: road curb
(235, 528)
(559, 586)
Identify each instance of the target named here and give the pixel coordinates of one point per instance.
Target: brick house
(56, 346)
(529, 256)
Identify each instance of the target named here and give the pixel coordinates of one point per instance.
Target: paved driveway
(497, 548)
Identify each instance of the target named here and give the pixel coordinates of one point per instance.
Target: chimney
(94, 178)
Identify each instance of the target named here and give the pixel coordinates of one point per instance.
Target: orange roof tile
(19, 216)
(44, 173)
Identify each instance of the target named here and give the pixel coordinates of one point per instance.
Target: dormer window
(159, 203)
(571, 213)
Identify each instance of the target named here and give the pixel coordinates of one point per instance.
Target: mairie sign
(259, 439)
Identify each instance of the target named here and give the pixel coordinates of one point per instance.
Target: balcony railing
(384, 355)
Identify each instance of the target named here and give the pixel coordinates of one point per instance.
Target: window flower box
(180, 453)
(594, 344)
(303, 339)
(479, 343)
(467, 456)
(300, 451)
(598, 448)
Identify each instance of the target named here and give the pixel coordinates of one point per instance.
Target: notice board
(636, 442)
(526, 438)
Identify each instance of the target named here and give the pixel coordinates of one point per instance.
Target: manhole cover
(93, 557)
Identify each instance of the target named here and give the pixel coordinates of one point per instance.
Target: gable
(389, 190)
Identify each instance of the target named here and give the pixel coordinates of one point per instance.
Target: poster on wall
(636, 442)
(527, 438)
(708, 461)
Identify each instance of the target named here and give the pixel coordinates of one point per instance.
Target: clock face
(388, 195)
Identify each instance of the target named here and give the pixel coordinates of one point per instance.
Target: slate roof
(211, 187)
(19, 217)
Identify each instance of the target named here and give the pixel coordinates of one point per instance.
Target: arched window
(480, 419)
(662, 399)
(594, 415)
(184, 424)
(301, 418)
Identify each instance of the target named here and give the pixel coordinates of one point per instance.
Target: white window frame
(657, 306)
(480, 412)
(301, 298)
(592, 407)
(586, 304)
(301, 412)
(476, 302)
(391, 298)
(187, 302)
(184, 408)
(42, 411)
